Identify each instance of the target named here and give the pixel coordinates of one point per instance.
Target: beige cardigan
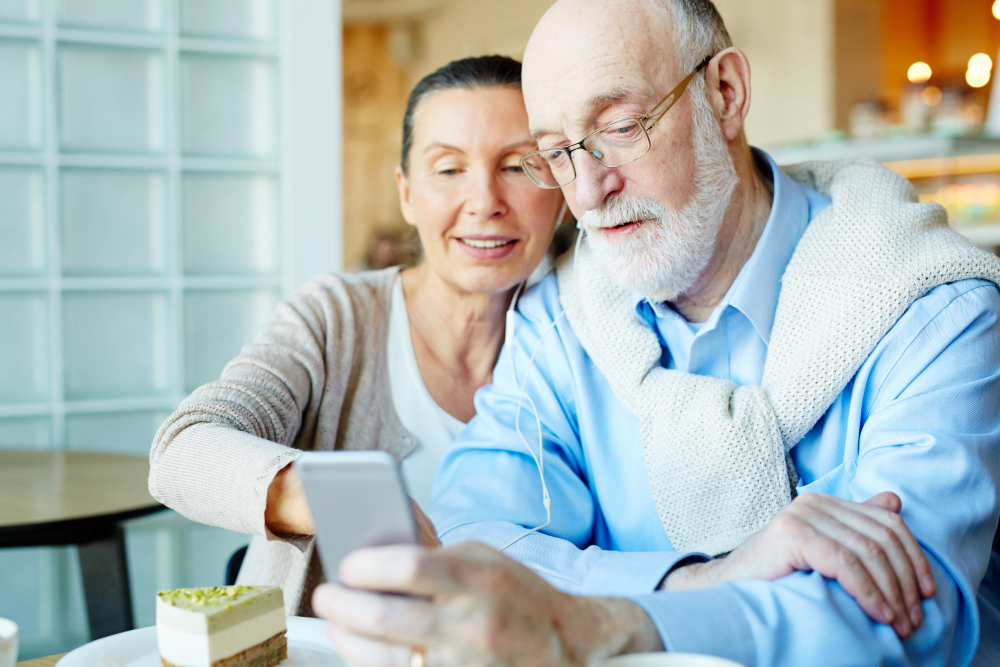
(314, 378)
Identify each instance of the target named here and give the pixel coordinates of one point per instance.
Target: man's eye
(448, 172)
(555, 157)
(623, 130)
(515, 169)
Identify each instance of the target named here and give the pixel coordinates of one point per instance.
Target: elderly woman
(386, 360)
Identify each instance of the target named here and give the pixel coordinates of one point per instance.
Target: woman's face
(483, 224)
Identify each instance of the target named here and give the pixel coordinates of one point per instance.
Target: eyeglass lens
(613, 146)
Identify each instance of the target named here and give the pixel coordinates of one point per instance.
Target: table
(41, 662)
(57, 498)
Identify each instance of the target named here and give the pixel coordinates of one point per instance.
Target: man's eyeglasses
(613, 145)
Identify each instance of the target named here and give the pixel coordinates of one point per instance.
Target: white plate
(668, 660)
(307, 647)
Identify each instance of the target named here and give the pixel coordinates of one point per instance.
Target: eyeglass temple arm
(676, 93)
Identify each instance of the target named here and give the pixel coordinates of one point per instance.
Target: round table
(53, 498)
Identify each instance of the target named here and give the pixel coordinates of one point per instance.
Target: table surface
(47, 486)
(41, 662)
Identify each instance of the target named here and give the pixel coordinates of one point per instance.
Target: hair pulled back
(468, 73)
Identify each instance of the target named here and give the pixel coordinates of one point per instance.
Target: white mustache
(622, 210)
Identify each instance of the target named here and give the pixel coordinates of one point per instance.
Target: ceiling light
(920, 72)
(996, 9)
(980, 64)
(977, 80)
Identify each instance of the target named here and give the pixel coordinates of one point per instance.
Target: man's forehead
(574, 98)
(587, 55)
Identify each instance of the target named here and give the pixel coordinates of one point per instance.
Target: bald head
(612, 50)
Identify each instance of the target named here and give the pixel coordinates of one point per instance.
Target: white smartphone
(357, 500)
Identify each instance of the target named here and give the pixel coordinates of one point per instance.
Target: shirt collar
(758, 284)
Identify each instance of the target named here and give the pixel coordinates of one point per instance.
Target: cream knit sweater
(314, 378)
(716, 454)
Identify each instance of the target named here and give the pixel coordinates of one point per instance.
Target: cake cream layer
(210, 610)
(187, 648)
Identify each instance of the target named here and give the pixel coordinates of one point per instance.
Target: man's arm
(488, 490)
(931, 436)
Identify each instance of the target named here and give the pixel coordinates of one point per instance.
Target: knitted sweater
(314, 378)
(717, 454)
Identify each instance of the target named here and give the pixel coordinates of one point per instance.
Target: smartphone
(357, 500)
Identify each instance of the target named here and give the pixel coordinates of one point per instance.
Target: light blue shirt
(921, 418)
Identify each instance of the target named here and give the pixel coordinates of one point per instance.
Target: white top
(433, 428)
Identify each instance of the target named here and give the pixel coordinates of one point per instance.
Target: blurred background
(170, 168)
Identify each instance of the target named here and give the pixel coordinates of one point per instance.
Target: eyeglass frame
(676, 93)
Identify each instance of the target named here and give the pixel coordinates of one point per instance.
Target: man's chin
(644, 275)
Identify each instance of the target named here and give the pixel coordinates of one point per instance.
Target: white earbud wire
(540, 458)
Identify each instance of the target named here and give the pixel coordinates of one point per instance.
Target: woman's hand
(287, 510)
(428, 534)
(866, 547)
(467, 606)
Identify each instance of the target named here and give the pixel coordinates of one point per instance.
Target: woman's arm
(287, 511)
(214, 459)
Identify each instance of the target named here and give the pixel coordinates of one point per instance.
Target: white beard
(665, 257)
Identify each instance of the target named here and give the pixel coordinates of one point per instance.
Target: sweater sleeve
(215, 456)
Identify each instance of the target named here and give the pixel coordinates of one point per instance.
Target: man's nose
(594, 182)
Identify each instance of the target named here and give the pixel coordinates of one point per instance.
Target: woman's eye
(515, 169)
(448, 172)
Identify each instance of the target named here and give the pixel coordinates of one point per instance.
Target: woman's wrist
(287, 511)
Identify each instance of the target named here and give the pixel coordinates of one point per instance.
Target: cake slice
(224, 626)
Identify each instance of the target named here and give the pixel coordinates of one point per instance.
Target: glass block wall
(139, 249)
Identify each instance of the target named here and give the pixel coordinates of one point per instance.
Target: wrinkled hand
(866, 547)
(427, 534)
(475, 607)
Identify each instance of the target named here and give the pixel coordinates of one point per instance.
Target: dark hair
(481, 72)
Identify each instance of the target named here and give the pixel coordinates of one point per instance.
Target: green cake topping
(203, 599)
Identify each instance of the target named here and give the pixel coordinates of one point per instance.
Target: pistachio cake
(224, 626)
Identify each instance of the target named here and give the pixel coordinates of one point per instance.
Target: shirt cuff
(624, 574)
(707, 620)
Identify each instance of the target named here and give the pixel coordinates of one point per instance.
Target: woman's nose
(486, 199)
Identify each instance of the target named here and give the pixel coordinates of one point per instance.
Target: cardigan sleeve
(216, 455)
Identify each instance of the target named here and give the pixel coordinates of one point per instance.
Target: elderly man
(726, 336)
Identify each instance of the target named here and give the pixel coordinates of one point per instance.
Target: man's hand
(866, 547)
(474, 606)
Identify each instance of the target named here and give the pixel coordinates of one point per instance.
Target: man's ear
(727, 80)
(405, 204)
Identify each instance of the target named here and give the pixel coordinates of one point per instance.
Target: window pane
(22, 226)
(26, 581)
(25, 433)
(21, 101)
(234, 19)
(112, 222)
(115, 344)
(19, 11)
(138, 15)
(228, 106)
(24, 348)
(230, 224)
(217, 325)
(150, 552)
(121, 433)
(111, 100)
(208, 551)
